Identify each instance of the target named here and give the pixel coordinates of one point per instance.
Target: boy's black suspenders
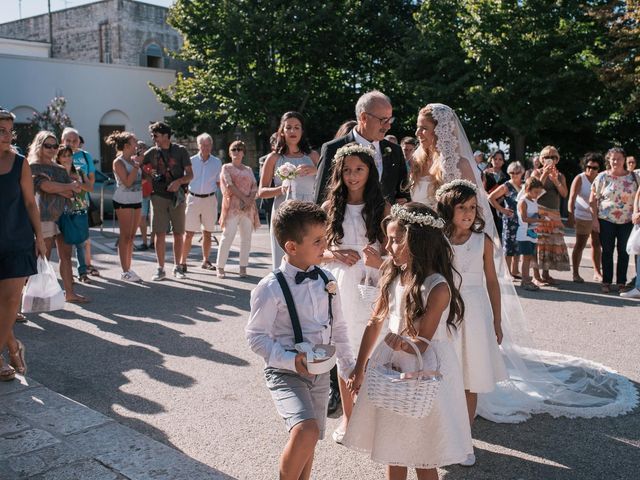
(293, 313)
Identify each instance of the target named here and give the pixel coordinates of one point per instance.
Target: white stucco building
(105, 54)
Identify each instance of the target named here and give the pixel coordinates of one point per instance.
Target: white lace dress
(441, 438)
(355, 310)
(476, 344)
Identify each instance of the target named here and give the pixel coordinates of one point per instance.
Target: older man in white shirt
(202, 203)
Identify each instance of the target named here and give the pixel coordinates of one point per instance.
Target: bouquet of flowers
(287, 172)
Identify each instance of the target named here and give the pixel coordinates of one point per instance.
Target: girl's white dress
(441, 438)
(355, 310)
(301, 189)
(476, 345)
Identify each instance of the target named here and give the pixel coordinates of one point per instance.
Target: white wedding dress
(539, 381)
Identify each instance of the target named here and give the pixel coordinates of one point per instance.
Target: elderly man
(82, 160)
(202, 203)
(170, 173)
(375, 116)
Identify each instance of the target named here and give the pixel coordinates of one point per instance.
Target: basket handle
(428, 342)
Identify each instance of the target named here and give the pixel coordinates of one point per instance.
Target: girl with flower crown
(420, 299)
(481, 332)
(355, 207)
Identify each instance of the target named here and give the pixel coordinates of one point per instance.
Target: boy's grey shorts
(298, 397)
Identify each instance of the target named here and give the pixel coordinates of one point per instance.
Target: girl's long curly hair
(374, 203)
(429, 252)
(447, 205)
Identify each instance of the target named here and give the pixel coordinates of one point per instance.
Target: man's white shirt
(206, 174)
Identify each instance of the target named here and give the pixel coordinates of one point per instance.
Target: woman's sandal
(84, 278)
(91, 270)
(17, 360)
(77, 299)
(243, 272)
(220, 273)
(7, 372)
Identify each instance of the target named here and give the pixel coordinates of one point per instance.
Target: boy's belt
(201, 196)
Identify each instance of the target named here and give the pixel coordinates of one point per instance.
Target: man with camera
(170, 174)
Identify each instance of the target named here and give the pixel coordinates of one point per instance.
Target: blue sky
(10, 9)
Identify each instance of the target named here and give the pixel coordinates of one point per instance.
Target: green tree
(250, 61)
(520, 71)
(52, 118)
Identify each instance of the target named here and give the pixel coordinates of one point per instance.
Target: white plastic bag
(43, 292)
(633, 244)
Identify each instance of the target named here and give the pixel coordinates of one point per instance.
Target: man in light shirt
(202, 203)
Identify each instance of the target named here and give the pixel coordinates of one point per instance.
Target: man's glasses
(237, 149)
(382, 120)
(50, 146)
(589, 167)
(5, 133)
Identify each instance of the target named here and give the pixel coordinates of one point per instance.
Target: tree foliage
(528, 72)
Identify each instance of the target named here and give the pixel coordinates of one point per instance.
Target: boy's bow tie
(313, 275)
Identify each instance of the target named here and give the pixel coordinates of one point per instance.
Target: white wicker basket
(410, 394)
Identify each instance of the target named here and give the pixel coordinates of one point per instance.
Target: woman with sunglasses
(583, 220)
(292, 147)
(552, 251)
(19, 226)
(55, 188)
(238, 211)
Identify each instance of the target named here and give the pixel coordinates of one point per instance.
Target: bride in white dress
(539, 381)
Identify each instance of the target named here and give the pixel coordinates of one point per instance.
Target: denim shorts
(146, 206)
(527, 248)
(299, 398)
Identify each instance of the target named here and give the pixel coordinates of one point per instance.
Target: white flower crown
(353, 149)
(424, 219)
(453, 184)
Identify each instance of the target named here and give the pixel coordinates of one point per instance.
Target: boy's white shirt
(269, 330)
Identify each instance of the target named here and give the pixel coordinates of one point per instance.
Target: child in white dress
(481, 332)
(419, 296)
(355, 207)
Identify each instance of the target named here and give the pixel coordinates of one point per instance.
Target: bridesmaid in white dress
(419, 297)
(355, 207)
(292, 147)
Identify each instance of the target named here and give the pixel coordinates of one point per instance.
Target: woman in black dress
(18, 248)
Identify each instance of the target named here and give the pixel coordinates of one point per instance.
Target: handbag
(633, 243)
(74, 227)
(43, 292)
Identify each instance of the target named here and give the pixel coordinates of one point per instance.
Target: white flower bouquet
(287, 172)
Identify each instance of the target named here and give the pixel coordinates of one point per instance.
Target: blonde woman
(239, 211)
(55, 188)
(552, 251)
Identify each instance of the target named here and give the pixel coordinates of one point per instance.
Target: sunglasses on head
(50, 146)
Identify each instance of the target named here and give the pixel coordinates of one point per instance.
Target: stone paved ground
(168, 363)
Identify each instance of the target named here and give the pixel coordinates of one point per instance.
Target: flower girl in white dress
(356, 207)
(419, 295)
(481, 331)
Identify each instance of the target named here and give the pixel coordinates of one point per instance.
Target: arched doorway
(110, 122)
(22, 125)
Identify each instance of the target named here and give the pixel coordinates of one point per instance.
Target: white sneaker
(337, 436)
(134, 276)
(470, 461)
(635, 293)
(126, 277)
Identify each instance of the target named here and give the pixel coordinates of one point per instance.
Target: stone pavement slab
(45, 435)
